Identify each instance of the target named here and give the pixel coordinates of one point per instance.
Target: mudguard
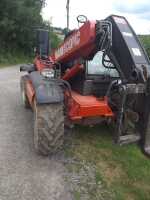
(27, 68)
(46, 90)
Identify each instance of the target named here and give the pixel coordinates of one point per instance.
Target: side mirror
(82, 19)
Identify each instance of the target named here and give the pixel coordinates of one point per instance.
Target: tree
(145, 39)
(18, 19)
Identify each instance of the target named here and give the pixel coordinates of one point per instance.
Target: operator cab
(96, 77)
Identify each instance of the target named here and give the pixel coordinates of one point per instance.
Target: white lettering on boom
(68, 45)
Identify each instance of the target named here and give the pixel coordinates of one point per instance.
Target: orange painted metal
(87, 106)
(41, 64)
(79, 44)
(30, 92)
(38, 63)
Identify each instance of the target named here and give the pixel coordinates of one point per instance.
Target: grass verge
(13, 59)
(123, 171)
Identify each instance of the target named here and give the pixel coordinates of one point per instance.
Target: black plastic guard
(27, 68)
(43, 44)
(47, 90)
(127, 48)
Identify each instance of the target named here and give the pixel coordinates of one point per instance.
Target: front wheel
(48, 127)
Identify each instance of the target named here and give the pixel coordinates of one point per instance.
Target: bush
(145, 40)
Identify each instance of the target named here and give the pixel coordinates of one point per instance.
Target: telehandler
(100, 73)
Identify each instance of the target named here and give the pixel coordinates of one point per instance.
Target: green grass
(7, 59)
(124, 171)
(77, 195)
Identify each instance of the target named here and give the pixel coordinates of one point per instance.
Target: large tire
(23, 91)
(48, 128)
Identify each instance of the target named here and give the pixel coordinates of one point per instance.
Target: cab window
(95, 67)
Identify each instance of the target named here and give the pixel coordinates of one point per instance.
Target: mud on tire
(48, 128)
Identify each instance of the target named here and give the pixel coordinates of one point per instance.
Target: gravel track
(23, 174)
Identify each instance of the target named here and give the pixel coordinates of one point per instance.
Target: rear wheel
(23, 92)
(48, 128)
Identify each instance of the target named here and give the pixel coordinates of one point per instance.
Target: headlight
(48, 73)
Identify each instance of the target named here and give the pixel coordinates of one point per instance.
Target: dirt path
(23, 174)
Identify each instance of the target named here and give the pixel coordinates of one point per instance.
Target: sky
(137, 12)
